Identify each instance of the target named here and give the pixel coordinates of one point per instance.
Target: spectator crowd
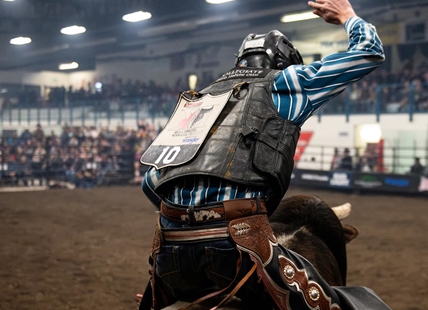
(77, 157)
(393, 92)
(87, 156)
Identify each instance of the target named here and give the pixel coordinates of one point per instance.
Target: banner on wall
(304, 139)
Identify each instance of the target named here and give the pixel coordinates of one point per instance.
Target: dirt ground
(88, 249)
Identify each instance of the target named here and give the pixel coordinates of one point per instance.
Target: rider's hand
(333, 11)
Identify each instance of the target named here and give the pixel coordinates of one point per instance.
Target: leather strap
(226, 211)
(237, 287)
(238, 268)
(195, 234)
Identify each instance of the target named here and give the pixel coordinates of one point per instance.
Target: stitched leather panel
(253, 234)
(312, 292)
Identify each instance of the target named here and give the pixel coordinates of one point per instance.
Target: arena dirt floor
(88, 249)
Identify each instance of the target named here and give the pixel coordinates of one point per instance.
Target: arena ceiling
(107, 33)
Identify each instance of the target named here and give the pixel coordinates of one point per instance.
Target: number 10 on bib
(185, 131)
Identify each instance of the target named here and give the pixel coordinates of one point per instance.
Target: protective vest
(250, 143)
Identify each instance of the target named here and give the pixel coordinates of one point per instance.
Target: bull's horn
(342, 211)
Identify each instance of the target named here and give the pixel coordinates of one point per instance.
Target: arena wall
(397, 132)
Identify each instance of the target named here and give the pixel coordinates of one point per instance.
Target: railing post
(108, 112)
(83, 112)
(322, 158)
(411, 99)
(70, 114)
(393, 159)
(122, 110)
(60, 114)
(137, 112)
(347, 104)
(19, 116)
(95, 110)
(377, 103)
(49, 114)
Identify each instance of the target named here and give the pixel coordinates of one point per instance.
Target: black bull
(308, 226)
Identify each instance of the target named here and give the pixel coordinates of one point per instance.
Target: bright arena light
(298, 17)
(68, 66)
(20, 40)
(218, 1)
(193, 79)
(137, 16)
(72, 30)
(370, 133)
(98, 86)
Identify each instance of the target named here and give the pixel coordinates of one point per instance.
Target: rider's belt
(195, 235)
(226, 210)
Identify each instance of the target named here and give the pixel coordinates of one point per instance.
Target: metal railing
(377, 159)
(379, 100)
(93, 161)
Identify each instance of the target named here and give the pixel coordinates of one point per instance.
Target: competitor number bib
(185, 131)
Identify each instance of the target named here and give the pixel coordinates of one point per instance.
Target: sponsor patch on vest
(238, 73)
(185, 131)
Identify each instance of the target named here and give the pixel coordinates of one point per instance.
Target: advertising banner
(374, 182)
(310, 178)
(387, 182)
(341, 179)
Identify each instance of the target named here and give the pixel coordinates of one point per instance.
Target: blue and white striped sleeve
(148, 186)
(301, 90)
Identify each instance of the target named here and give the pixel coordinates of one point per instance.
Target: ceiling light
(68, 66)
(298, 17)
(72, 30)
(218, 1)
(20, 40)
(8, 0)
(136, 16)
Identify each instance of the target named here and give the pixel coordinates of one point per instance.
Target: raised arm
(333, 11)
(301, 90)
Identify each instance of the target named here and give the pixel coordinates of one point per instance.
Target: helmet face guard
(271, 51)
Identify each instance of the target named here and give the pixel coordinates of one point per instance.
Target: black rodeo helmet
(272, 50)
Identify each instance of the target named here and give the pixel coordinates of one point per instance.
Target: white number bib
(185, 131)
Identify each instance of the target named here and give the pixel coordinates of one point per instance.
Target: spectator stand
(77, 157)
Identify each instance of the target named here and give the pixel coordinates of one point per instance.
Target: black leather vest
(249, 143)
